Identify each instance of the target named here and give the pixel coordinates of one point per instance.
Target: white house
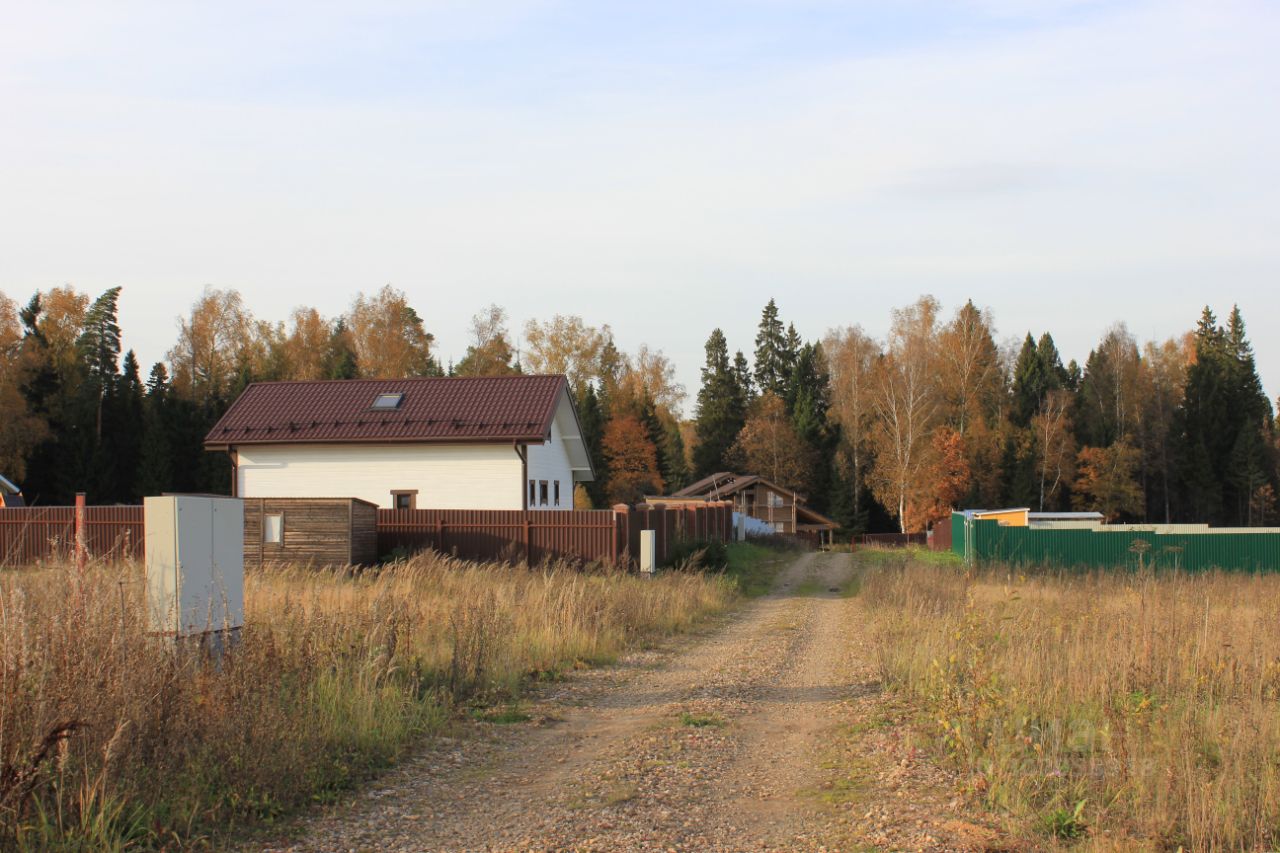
(495, 442)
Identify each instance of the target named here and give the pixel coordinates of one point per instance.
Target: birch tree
(904, 399)
(1055, 445)
(851, 361)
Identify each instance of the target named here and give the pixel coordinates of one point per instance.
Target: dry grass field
(1111, 711)
(109, 740)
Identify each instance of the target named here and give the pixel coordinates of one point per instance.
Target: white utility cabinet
(648, 551)
(194, 563)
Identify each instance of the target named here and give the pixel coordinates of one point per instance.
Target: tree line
(878, 434)
(79, 416)
(937, 416)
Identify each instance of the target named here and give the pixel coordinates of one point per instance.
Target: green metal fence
(987, 541)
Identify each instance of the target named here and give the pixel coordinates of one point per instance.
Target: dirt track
(741, 740)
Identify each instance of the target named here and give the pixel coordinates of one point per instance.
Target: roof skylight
(388, 401)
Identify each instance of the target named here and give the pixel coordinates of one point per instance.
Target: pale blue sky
(662, 167)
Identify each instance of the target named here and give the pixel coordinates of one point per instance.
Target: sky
(663, 167)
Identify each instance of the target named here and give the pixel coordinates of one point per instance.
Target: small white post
(741, 518)
(648, 552)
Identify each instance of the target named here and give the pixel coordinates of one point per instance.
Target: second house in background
(508, 442)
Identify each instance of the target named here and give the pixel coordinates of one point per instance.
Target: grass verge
(109, 740)
(752, 567)
(1103, 709)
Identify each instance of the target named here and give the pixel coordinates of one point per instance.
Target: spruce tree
(809, 401)
(123, 434)
(721, 408)
(771, 360)
(1055, 375)
(1028, 384)
(340, 356)
(592, 418)
(155, 467)
(1201, 418)
(42, 388)
(742, 373)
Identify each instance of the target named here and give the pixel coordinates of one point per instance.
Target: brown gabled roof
(434, 409)
(727, 483)
(723, 481)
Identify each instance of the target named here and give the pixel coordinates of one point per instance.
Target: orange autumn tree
(948, 477)
(633, 460)
(1106, 481)
(770, 447)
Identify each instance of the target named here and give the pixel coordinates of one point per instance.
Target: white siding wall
(474, 476)
(550, 462)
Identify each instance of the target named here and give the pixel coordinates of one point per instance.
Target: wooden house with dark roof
(498, 442)
(783, 509)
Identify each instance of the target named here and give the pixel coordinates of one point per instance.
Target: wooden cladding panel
(318, 531)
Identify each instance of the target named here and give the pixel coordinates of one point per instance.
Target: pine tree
(721, 408)
(99, 342)
(771, 372)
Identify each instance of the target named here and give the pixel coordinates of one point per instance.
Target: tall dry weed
(110, 738)
(1114, 705)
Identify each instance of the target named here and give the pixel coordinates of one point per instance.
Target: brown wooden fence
(608, 536)
(31, 534)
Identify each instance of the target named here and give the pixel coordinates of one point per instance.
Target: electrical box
(194, 564)
(648, 551)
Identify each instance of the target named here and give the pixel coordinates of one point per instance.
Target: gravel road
(740, 739)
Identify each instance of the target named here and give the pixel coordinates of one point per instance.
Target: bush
(698, 554)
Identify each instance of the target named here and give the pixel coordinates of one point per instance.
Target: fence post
(621, 512)
(80, 532)
(528, 542)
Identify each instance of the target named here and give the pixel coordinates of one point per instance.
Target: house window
(388, 401)
(778, 527)
(533, 493)
(542, 493)
(775, 499)
(557, 493)
(404, 499)
(273, 529)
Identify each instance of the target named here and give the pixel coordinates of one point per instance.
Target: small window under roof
(388, 401)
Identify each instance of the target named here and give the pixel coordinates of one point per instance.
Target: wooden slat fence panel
(608, 536)
(32, 534)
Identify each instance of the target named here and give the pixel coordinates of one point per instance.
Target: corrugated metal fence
(31, 534)
(988, 541)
